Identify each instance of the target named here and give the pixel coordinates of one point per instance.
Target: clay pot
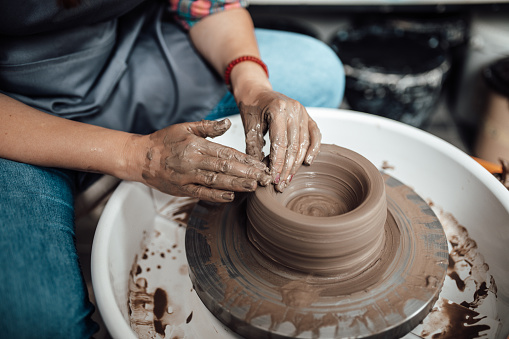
(329, 220)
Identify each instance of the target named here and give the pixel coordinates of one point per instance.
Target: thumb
(210, 128)
(254, 143)
(253, 129)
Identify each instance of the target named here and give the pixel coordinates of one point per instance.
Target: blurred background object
(393, 70)
(492, 141)
(419, 62)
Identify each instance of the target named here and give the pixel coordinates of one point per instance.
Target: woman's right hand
(178, 160)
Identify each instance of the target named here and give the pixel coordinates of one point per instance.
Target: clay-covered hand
(294, 137)
(181, 162)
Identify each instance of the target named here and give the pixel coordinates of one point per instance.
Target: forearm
(224, 36)
(30, 136)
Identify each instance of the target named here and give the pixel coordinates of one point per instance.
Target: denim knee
(302, 67)
(43, 293)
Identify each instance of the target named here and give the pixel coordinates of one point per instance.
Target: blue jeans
(42, 290)
(316, 80)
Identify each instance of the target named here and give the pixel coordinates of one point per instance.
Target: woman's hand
(180, 161)
(294, 136)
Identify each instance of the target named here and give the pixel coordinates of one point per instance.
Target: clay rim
(268, 196)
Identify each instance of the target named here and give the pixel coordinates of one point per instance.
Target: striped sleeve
(189, 12)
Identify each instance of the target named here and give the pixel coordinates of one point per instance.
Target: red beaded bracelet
(237, 61)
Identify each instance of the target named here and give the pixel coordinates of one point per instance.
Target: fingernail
(309, 160)
(276, 180)
(228, 196)
(264, 179)
(249, 184)
(281, 186)
(221, 124)
(290, 178)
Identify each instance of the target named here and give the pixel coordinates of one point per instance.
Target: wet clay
(258, 297)
(330, 220)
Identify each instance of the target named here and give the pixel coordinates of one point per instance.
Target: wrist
(247, 80)
(133, 157)
(244, 58)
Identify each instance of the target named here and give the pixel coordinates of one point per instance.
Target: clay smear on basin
(156, 307)
(329, 221)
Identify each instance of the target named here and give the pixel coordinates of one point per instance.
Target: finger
(209, 194)
(315, 140)
(278, 142)
(209, 128)
(304, 143)
(224, 182)
(253, 129)
(224, 152)
(291, 151)
(235, 168)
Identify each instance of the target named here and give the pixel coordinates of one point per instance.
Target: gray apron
(121, 65)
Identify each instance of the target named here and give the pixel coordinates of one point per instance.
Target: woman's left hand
(294, 136)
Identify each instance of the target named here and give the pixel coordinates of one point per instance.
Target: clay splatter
(386, 166)
(481, 293)
(449, 320)
(466, 264)
(156, 308)
(160, 306)
(468, 274)
(178, 209)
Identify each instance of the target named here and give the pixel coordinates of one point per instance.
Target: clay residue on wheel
(254, 295)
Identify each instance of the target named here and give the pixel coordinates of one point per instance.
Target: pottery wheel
(258, 298)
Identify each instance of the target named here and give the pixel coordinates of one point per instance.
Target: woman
(120, 88)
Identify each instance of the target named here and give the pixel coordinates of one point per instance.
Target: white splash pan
(435, 169)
